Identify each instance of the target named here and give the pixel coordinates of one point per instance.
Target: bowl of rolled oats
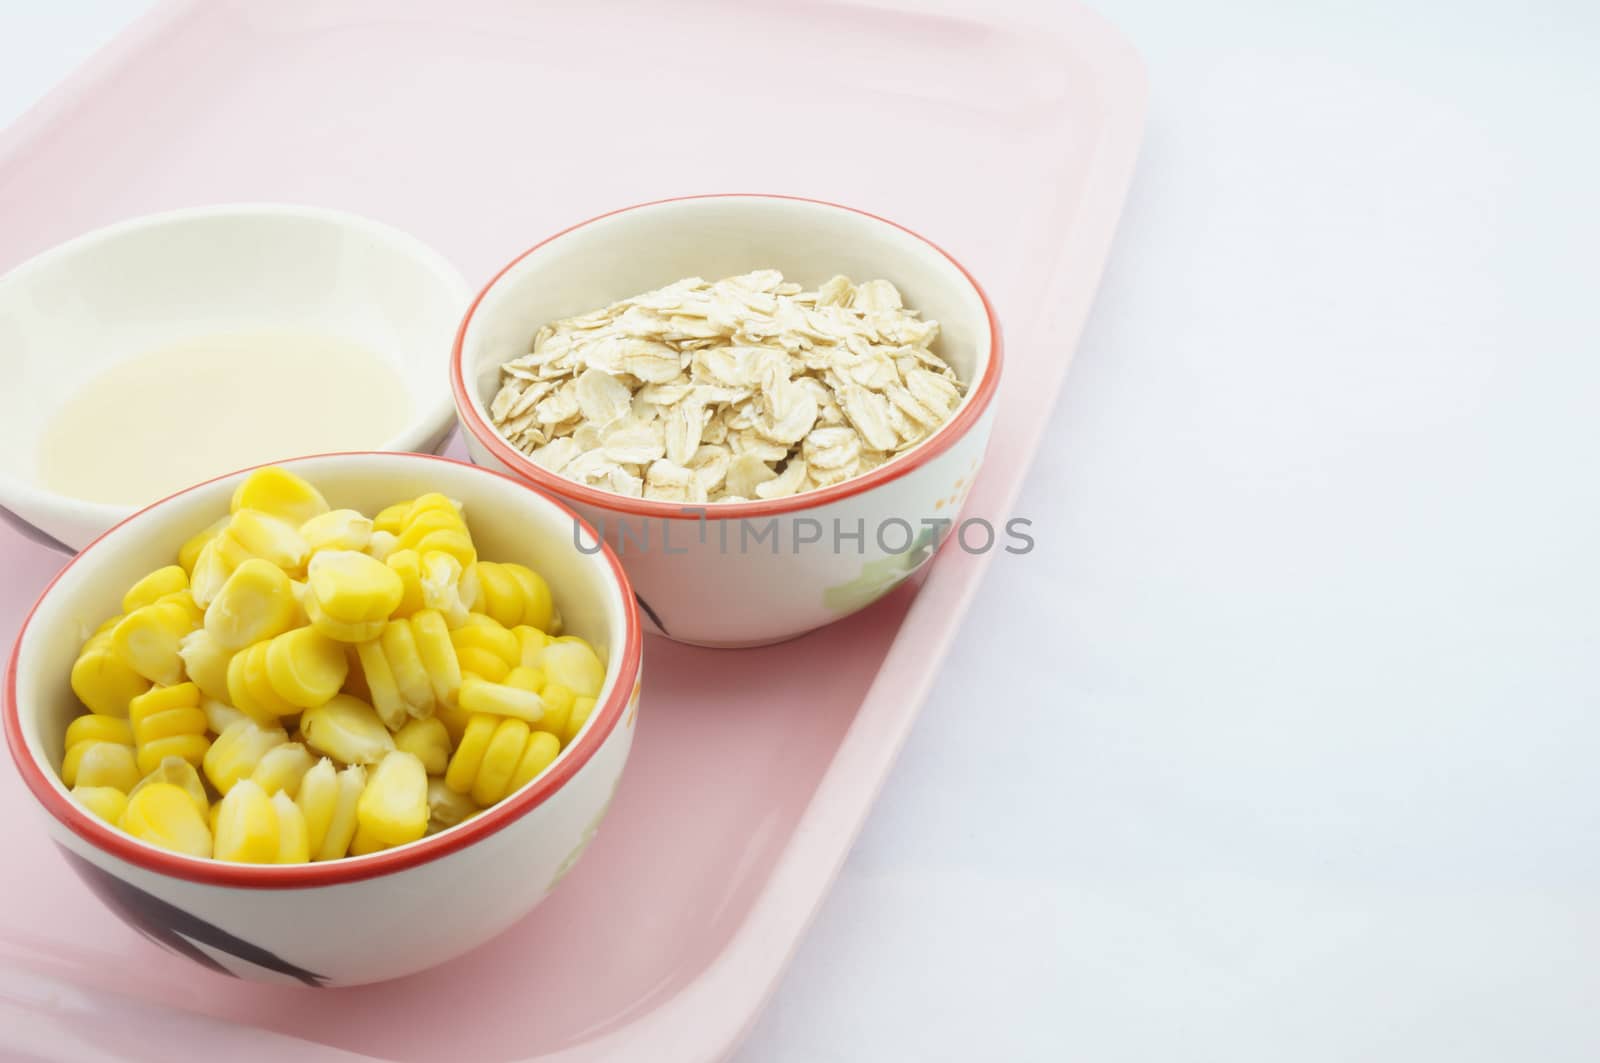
(772, 408)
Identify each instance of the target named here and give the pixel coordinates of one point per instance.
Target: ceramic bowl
(747, 573)
(143, 284)
(366, 918)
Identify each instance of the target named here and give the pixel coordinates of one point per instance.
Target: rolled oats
(745, 388)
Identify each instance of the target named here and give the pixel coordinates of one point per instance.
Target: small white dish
(93, 302)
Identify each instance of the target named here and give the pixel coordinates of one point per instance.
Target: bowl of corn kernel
(772, 407)
(335, 720)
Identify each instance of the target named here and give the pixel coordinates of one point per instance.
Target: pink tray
(482, 127)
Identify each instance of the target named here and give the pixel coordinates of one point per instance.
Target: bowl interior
(509, 522)
(70, 313)
(642, 248)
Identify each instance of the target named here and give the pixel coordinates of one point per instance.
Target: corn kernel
(348, 730)
(407, 564)
(391, 519)
(237, 751)
(438, 655)
(338, 529)
(280, 493)
(219, 714)
(500, 759)
(581, 708)
(393, 809)
(249, 688)
(480, 695)
(205, 662)
(405, 665)
(381, 545)
(254, 534)
(428, 741)
(255, 603)
(327, 800)
(189, 552)
(573, 664)
(100, 764)
(512, 594)
(210, 572)
(443, 587)
(158, 584)
(107, 625)
(247, 825)
(454, 718)
(351, 587)
(92, 728)
(178, 772)
(340, 630)
(305, 667)
(107, 802)
(446, 808)
(282, 767)
(147, 641)
(468, 757)
(540, 752)
(167, 722)
(532, 642)
(165, 816)
(294, 845)
(558, 703)
(434, 522)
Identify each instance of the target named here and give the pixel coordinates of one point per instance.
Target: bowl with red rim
(760, 571)
(358, 919)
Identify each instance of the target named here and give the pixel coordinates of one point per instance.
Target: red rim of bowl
(348, 869)
(942, 439)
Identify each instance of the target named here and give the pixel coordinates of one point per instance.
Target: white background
(1284, 744)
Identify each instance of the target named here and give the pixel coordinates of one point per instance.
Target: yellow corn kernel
(298, 588)
(294, 845)
(351, 587)
(237, 751)
(407, 564)
(391, 519)
(165, 816)
(327, 800)
(205, 662)
(108, 625)
(167, 722)
(158, 584)
(446, 808)
(280, 493)
(348, 730)
(219, 714)
(428, 741)
(473, 661)
(186, 601)
(480, 695)
(529, 679)
(254, 534)
(444, 587)
(541, 750)
(468, 757)
(355, 684)
(438, 655)
(380, 683)
(381, 545)
(434, 522)
(500, 759)
(147, 641)
(454, 718)
(305, 667)
(283, 767)
(340, 630)
(532, 642)
(107, 802)
(210, 572)
(338, 529)
(100, 764)
(92, 728)
(176, 771)
(581, 708)
(513, 595)
(247, 825)
(393, 809)
(189, 552)
(572, 663)
(405, 664)
(250, 689)
(558, 703)
(255, 603)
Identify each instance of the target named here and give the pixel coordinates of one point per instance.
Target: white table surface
(1283, 744)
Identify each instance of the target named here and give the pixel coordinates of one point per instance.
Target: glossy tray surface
(481, 127)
